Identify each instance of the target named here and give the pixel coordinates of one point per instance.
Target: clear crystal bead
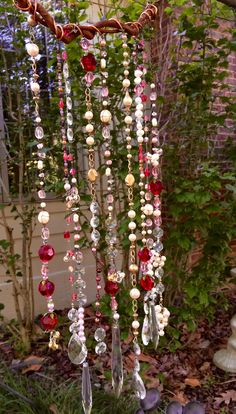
(41, 194)
(158, 247)
(82, 299)
(106, 132)
(153, 96)
(69, 119)
(72, 314)
(137, 349)
(87, 400)
(154, 326)
(100, 334)
(94, 207)
(69, 102)
(138, 386)
(77, 351)
(158, 232)
(94, 222)
(65, 70)
(74, 327)
(79, 283)
(81, 272)
(70, 134)
(159, 272)
(111, 223)
(84, 43)
(160, 288)
(95, 236)
(150, 243)
(45, 233)
(39, 133)
(146, 334)
(100, 348)
(68, 87)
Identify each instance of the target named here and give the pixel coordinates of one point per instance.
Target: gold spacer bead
(133, 268)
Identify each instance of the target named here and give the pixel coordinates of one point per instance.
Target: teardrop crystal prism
(116, 360)
(77, 351)
(146, 335)
(138, 386)
(87, 398)
(154, 326)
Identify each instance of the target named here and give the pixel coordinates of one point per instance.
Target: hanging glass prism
(87, 399)
(116, 360)
(154, 325)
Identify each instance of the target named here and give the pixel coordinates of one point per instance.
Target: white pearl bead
(166, 312)
(138, 73)
(154, 122)
(125, 63)
(138, 100)
(140, 133)
(73, 180)
(90, 141)
(88, 115)
(132, 237)
(108, 172)
(43, 204)
(126, 72)
(134, 293)
(139, 106)
(127, 101)
(139, 114)
(34, 86)
(128, 120)
(157, 213)
(144, 241)
(135, 324)
(103, 63)
(75, 218)
(153, 85)
(116, 316)
(89, 128)
(137, 81)
(148, 209)
(161, 333)
(105, 103)
(125, 54)
(67, 186)
(140, 140)
(110, 208)
(32, 49)
(158, 308)
(132, 225)
(163, 258)
(40, 164)
(126, 83)
(105, 116)
(43, 217)
(131, 214)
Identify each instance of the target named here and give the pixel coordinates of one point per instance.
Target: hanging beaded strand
(138, 385)
(46, 252)
(114, 277)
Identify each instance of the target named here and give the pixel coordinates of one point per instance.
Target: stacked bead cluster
(46, 251)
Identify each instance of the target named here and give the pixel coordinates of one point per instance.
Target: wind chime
(140, 120)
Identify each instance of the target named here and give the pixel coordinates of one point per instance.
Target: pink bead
(81, 310)
(71, 279)
(64, 55)
(76, 237)
(74, 296)
(99, 287)
(73, 171)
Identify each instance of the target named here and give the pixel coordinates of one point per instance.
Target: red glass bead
(147, 283)
(61, 104)
(88, 62)
(155, 187)
(144, 98)
(46, 252)
(66, 235)
(144, 255)
(146, 172)
(111, 288)
(49, 321)
(46, 288)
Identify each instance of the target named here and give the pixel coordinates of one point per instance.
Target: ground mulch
(184, 375)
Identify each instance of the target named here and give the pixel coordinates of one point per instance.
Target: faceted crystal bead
(45, 233)
(49, 321)
(95, 236)
(72, 314)
(87, 401)
(105, 92)
(41, 194)
(46, 288)
(100, 334)
(80, 284)
(65, 70)
(147, 282)
(46, 252)
(84, 43)
(106, 132)
(155, 187)
(88, 62)
(68, 87)
(111, 288)
(100, 348)
(150, 243)
(94, 207)
(158, 247)
(159, 272)
(69, 119)
(111, 223)
(154, 326)
(69, 102)
(39, 134)
(77, 351)
(94, 222)
(82, 300)
(137, 349)
(70, 134)
(146, 334)
(158, 232)
(74, 327)
(153, 96)
(144, 254)
(89, 78)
